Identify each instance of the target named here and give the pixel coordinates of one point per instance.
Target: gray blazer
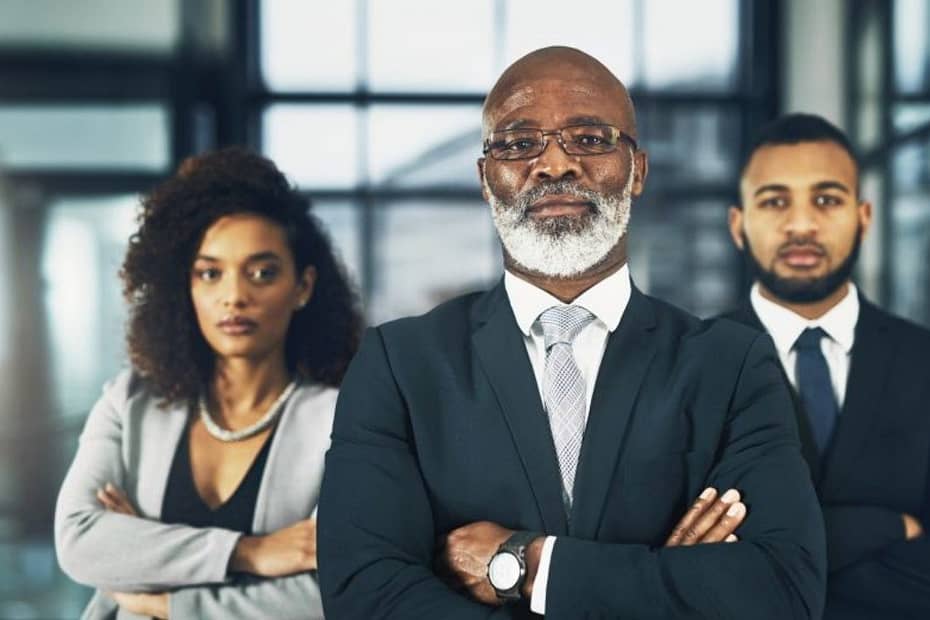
(129, 441)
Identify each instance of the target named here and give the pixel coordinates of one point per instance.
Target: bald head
(557, 67)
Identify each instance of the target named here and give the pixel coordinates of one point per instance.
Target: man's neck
(567, 290)
(810, 311)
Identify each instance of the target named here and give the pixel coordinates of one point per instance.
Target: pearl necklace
(244, 433)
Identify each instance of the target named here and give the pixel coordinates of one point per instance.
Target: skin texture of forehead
(557, 65)
(799, 163)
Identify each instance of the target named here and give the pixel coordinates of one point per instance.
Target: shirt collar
(606, 300)
(784, 326)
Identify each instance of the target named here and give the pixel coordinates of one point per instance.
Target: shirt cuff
(538, 599)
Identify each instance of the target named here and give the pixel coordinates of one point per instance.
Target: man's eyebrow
(771, 187)
(519, 123)
(831, 185)
(586, 120)
(522, 123)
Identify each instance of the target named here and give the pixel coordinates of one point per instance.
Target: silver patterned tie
(564, 390)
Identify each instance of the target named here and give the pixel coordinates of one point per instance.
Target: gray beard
(561, 246)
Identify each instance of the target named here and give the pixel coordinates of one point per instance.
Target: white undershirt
(785, 326)
(606, 300)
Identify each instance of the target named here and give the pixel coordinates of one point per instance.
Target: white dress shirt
(606, 300)
(839, 322)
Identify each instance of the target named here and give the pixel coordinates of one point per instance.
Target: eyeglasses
(511, 144)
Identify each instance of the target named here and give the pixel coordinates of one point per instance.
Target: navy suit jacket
(876, 468)
(439, 424)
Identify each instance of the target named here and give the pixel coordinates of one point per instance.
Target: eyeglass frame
(621, 135)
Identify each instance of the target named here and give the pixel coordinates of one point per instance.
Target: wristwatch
(507, 568)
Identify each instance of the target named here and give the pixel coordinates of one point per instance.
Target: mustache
(801, 244)
(526, 199)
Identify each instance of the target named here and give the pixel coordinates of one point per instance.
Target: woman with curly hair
(196, 479)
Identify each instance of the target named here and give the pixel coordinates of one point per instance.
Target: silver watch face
(504, 571)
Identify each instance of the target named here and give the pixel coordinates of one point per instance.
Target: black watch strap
(516, 545)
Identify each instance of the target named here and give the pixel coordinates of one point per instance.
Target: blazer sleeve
(855, 532)
(894, 574)
(375, 526)
(118, 552)
(777, 570)
(296, 597)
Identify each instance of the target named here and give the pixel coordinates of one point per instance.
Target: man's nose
(801, 220)
(554, 164)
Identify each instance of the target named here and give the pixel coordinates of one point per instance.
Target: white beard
(561, 246)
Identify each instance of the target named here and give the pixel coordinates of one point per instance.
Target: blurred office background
(372, 107)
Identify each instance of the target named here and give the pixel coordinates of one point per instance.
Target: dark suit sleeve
(376, 537)
(854, 532)
(893, 577)
(777, 570)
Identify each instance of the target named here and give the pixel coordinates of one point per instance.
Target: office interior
(372, 108)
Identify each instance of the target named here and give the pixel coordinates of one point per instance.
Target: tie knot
(563, 323)
(810, 339)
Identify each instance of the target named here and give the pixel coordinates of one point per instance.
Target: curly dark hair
(166, 345)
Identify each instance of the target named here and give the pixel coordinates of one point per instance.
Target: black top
(183, 504)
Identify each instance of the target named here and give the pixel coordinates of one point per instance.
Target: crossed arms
(378, 539)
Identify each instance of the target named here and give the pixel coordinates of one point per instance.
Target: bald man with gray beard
(537, 449)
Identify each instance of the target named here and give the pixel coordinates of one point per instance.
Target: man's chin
(802, 290)
(560, 225)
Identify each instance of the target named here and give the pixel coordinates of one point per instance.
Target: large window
(374, 107)
(892, 125)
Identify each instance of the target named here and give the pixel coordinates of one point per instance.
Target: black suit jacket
(439, 424)
(875, 469)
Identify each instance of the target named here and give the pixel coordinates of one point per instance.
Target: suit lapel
(629, 352)
(868, 373)
(501, 352)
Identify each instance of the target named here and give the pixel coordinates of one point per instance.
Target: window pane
(343, 224)
(131, 137)
(606, 31)
(426, 254)
(682, 252)
(425, 145)
(688, 144)
(144, 25)
(309, 44)
(678, 53)
(85, 242)
(910, 229)
(911, 48)
(317, 146)
(911, 116)
(418, 45)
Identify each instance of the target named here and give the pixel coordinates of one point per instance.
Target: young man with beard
(531, 449)
(860, 376)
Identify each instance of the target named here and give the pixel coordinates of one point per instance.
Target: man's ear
(640, 170)
(484, 189)
(865, 216)
(735, 224)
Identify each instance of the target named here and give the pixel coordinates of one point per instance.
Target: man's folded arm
(777, 569)
(894, 573)
(375, 527)
(855, 532)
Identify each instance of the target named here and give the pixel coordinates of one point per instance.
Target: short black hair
(797, 128)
